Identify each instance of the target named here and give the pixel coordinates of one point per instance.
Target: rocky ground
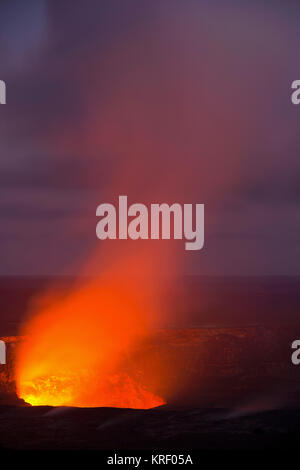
(46, 428)
(225, 388)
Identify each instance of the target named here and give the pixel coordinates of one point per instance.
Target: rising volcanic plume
(77, 345)
(147, 116)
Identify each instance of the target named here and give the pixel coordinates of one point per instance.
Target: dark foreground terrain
(46, 428)
(231, 388)
(227, 387)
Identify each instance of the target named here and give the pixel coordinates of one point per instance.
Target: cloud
(159, 101)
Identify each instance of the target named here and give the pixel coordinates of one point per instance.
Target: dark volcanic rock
(46, 428)
(8, 394)
(226, 388)
(204, 366)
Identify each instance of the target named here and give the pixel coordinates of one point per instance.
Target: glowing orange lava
(76, 347)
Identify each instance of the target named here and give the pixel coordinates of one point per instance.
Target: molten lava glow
(77, 347)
